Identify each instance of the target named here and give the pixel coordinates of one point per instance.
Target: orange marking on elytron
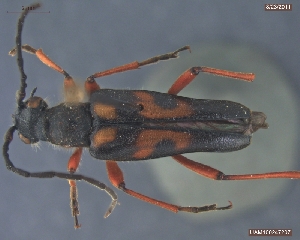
(151, 110)
(104, 135)
(105, 111)
(148, 139)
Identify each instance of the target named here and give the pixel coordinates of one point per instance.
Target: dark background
(86, 37)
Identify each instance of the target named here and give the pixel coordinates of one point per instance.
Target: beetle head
(27, 118)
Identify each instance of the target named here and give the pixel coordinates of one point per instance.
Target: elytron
(132, 125)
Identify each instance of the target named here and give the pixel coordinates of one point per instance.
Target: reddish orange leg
(115, 176)
(71, 91)
(91, 85)
(72, 167)
(42, 56)
(186, 77)
(136, 64)
(215, 174)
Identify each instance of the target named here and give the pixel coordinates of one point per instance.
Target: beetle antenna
(33, 92)
(9, 134)
(68, 176)
(21, 93)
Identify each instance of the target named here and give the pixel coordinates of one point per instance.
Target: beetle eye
(24, 139)
(36, 102)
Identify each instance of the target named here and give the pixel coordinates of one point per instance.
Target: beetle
(132, 125)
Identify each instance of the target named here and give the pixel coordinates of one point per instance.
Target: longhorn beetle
(132, 125)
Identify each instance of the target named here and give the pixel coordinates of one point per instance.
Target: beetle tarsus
(206, 208)
(111, 207)
(226, 207)
(76, 224)
(74, 202)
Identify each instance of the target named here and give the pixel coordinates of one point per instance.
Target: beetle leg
(91, 85)
(186, 77)
(115, 176)
(215, 174)
(136, 64)
(74, 160)
(72, 167)
(71, 91)
(42, 57)
(74, 202)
